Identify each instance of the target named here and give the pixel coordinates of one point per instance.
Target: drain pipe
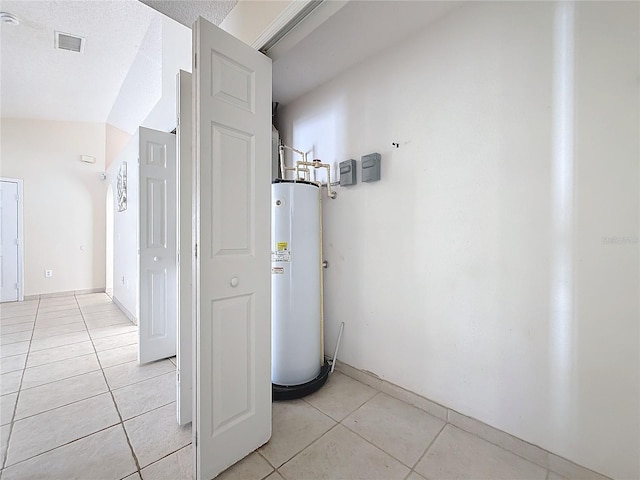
(335, 353)
(282, 165)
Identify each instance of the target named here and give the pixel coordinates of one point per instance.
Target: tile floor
(75, 404)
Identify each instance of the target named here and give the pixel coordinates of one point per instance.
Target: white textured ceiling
(39, 81)
(187, 11)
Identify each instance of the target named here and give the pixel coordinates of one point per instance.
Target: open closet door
(185, 292)
(157, 227)
(232, 124)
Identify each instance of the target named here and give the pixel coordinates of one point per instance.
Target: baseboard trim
(127, 313)
(515, 445)
(67, 293)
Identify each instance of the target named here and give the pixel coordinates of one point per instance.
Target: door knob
(234, 282)
(155, 259)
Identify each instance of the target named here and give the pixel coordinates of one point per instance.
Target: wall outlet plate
(48, 273)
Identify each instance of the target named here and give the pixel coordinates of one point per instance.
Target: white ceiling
(39, 81)
(356, 32)
(186, 12)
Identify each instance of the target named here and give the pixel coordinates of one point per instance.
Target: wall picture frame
(122, 187)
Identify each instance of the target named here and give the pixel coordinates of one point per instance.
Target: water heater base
(281, 392)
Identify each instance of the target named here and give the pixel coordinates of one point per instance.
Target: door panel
(9, 249)
(186, 322)
(158, 310)
(232, 83)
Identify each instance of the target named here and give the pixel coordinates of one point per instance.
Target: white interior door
(157, 227)
(10, 245)
(185, 292)
(232, 125)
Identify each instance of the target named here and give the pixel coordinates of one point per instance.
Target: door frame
(20, 282)
(185, 214)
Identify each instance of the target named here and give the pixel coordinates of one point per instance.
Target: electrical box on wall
(371, 167)
(348, 173)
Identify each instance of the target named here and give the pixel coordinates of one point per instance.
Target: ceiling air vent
(65, 41)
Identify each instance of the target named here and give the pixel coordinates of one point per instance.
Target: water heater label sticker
(277, 270)
(281, 256)
(282, 246)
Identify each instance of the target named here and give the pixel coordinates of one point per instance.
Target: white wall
(116, 140)
(125, 231)
(249, 18)
(64, 201)
(176, 56)
(494, 268)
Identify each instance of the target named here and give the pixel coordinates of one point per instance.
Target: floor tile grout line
(62, 445)
(63, 345)
(501, 447)
(17, 313)
(136, 382)
(146, 411)
(428, 447)
(113, 399)
(348, 414)
(447, 422)
(164, 456)
(15, 355)
(65, 405)
(61, 360)
(74, 343)
(26, 329)
(366, 440)
(257, 450)
(69, 358)
(13, 343)
(15, 406)
(401, 462)
(303, 448)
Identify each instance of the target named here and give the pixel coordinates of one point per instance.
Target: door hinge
(195, 61)
(17, 198)
(17, 287)
(17, 241)
(196, 439)
(196, 253)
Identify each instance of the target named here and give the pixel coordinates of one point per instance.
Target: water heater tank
(295, 283)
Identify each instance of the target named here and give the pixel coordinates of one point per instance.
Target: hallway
(74, 403)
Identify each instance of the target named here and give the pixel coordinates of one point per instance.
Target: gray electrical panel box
(348, 173)
(371, 167)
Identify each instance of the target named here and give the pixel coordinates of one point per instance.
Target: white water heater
(295, 284)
